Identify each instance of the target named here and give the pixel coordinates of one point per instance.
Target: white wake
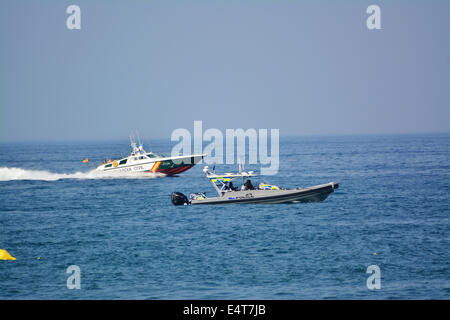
(9, 174)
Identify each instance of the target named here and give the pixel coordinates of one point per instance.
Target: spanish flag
(85, 160)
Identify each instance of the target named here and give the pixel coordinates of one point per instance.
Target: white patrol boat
(141, 161)
(247, 193)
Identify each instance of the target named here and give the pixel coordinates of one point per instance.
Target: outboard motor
(179, 199)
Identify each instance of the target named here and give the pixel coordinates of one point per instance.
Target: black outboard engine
(179, 199)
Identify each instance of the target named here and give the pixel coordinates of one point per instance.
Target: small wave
(10, 174)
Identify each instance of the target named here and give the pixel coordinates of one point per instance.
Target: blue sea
(129, 242)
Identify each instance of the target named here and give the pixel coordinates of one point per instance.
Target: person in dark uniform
(248, 185)
(232, 187)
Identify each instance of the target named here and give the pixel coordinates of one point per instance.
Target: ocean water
(130, 242)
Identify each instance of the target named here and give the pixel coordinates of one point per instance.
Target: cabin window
(108, 165)
(123, 161)
(140, 158)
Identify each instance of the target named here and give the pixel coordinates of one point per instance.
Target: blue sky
(304, 67)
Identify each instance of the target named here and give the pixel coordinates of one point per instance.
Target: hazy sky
(304, 67)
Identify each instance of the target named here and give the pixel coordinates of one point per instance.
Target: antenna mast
(133, 144)
(139, 138)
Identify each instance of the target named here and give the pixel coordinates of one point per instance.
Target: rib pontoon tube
(265, 195)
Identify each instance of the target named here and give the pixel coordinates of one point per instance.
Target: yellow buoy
(4, 255)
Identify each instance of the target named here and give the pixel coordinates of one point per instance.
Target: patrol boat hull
(140, 161)
(312, 194)
(167, 165)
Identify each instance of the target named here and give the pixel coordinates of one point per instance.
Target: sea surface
(392, 210)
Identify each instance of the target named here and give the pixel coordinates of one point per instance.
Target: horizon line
(281, 136)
